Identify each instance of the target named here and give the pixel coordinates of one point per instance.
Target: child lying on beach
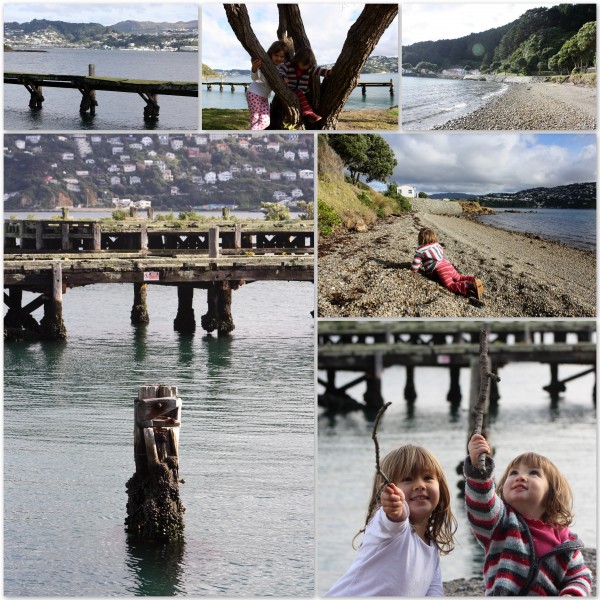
(429, 259)
(523, 526)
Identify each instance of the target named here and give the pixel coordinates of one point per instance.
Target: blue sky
(480, 163)
(103, 13)
(326, 26)
(424, 21)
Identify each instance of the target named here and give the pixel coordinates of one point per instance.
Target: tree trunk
(327, 98)
(360, 42)
(237, 15)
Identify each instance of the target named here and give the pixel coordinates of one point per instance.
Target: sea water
(246, 448)
(429, 101)
(375, 97)
(115, 110)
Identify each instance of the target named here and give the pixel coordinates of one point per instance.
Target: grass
(239, 118)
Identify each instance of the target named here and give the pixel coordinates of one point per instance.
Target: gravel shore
(534, 106)
(368, 274)
(475, 587)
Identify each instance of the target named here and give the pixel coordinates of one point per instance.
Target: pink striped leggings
(260, 114)
(451, 279)
(305, 108)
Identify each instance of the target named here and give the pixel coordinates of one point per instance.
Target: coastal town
(178, 171)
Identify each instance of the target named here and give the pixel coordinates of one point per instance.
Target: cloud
(423, 22)
(105, 14)
(483, 163)
(221, 50)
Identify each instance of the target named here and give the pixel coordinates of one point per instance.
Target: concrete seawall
(436, 207)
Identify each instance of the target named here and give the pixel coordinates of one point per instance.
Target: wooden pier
(221, 85)
(49, 256)
(90, 84)
(370, 347)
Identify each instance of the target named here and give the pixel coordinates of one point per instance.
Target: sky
(326, 26)
(424, 21)
(98, 12)
(479, 163)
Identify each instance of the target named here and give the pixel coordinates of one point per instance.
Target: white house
(147, 141)
(115, 180)
(129, 168)
(117, 150)
(289, 175)
(289, 155)
(210, 177)
(169, 156)
(225, 176)
(408, 191)
(279, 195)
(260, 170)
(67, 155)
(274, 176)
(306, 174)
(296, 193)
(303, 154)
(134, 179)
(273, 146)
(136, 146)
(177, 144)
(167, 175)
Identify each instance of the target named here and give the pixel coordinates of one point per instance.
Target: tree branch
(374, 437)
(238, 18)
(485, 375)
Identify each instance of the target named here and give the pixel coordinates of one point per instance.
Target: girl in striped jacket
(523, 527)
(296, 75)
(429, 259)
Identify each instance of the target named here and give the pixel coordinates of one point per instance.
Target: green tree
(364, 154)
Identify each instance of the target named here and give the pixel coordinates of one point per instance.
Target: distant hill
(151, 27)
(453, 196)
(575, 195)
(536, 41)
(374, 64)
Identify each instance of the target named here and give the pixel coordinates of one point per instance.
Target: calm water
(105, 214)
(115, 110)
(573, 227)
(375, 98)
(428, 101)
(346, 455)
(246, 446)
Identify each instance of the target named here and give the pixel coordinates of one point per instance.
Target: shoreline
(533, 106)
(524, 276)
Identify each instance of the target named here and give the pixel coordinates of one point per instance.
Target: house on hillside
(408, 191)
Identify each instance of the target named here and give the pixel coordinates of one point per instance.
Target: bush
(168, 217)
(190, 215)
(275, 212)
(119, 214)
(328, 219)
(308, 210)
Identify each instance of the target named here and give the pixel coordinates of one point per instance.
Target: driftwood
(485, 374)
(376, 442)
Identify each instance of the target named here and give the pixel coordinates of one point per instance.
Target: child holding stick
(523, 526)
(409, 524)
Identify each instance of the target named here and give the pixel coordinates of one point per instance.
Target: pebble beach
(534, 106)
(368, 274)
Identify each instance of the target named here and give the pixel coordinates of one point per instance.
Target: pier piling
(139, 311)
(52, 325)
(185, 321)
(219, 316)
(154, 507)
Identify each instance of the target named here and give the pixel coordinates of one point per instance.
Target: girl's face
(526, 489)
(303, 66)
(278, 57)
(422, 492)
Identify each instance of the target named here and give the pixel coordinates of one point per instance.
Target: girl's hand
(392, 502)
(477, 446)
(256, 64)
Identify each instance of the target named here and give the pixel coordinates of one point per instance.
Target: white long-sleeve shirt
(259, 85)
(392, 561)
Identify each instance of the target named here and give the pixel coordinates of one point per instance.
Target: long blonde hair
(411, 460)
(559, 499)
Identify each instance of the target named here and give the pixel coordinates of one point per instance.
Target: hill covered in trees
(575, 195)
(557, 39)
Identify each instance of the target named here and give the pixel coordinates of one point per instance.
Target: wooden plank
(150, 443)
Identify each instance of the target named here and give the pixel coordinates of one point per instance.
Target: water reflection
(157, 567)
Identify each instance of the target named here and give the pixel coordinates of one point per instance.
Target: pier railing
(221, 85)
(148, 90)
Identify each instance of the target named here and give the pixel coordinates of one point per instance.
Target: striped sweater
(511, 566)
(298, 80)
(427, 257)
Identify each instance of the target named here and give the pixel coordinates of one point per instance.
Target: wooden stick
(374, 437)
(484, 388)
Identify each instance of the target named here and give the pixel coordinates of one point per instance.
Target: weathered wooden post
(219, 316)
(237, 244)
(372, 396)
(185, 320)
(410, 391)
(154, 508)
(65, 212)
(88, 95)
(139, 310)
(52, 325)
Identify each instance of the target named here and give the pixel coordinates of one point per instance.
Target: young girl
(523, 526)
(259, 90)
(296, 74)
(429, 258)
(406, 530)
